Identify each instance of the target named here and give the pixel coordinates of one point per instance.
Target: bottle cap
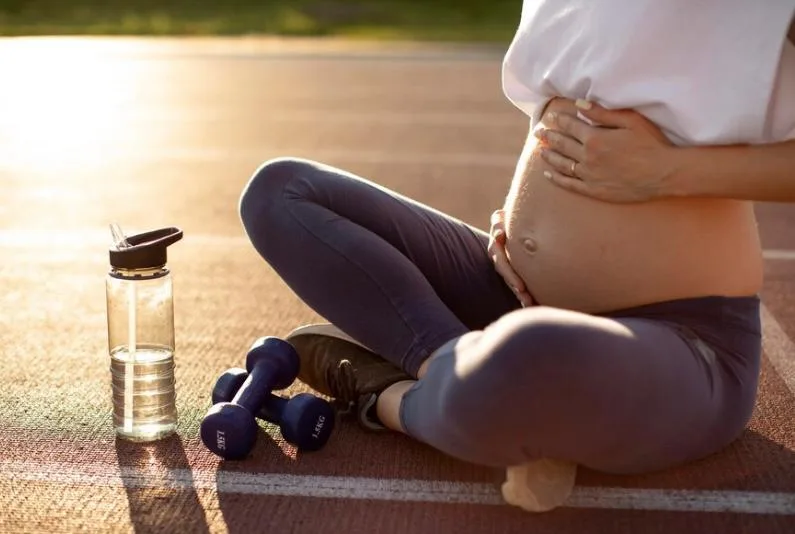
(144, 251)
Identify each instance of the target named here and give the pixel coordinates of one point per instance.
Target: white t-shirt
(705, 71)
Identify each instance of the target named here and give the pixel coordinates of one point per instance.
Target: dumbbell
(305, 421)
(230, 428)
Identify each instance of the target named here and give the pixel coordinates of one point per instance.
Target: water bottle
(140, 311)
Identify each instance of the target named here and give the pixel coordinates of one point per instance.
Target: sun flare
(63, 102)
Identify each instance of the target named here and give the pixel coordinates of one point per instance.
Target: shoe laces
(341, 380)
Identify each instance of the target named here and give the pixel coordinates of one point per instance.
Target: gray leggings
(626, 392)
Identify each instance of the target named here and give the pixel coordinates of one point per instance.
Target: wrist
(680, 168)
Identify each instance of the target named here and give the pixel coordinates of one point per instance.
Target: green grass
(439, 20)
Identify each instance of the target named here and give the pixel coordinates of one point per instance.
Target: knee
(518, 369)
(527, 346)
(457, 417)
(538, 340)
(543, 350)
(263, 195)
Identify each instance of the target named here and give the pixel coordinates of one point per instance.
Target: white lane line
(779, 348)
(777, 254)
(360, 488)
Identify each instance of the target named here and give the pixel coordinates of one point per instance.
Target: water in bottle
(141, 335)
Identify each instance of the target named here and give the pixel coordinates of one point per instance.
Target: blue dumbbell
(230, 428)
(305, 421)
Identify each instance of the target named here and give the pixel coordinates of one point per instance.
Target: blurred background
(469, 20)
(107, 106)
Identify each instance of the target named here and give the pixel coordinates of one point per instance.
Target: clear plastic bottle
(140, 313)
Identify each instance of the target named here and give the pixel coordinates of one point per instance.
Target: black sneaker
(336, 365)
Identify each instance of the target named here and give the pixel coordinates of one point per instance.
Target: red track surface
(168, 133)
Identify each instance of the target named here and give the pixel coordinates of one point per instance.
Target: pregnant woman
(610, 318)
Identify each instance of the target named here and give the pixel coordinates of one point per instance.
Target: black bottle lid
(146, 250)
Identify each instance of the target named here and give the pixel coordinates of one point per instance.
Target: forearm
(757, 172)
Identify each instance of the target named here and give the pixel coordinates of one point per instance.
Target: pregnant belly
(582, 254)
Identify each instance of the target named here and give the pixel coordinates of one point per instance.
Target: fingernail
(548, 175)
(552, 116)
(540, 133)
(583, 104)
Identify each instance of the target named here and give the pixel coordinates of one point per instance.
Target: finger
(497, 217)
(572, 126)
(511, 278)
(525, 299)
(497, 225)
(615, 118)
(560, 163)
(562, 144)
(503, 267)
(499, 236)
(575, 185)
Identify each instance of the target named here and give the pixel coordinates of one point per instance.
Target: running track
(166, 132)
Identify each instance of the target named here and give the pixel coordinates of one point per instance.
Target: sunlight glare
(63, 102)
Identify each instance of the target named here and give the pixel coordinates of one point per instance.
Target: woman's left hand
(623, 158)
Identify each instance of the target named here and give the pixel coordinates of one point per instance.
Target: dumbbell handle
(272, 409)
(252, 397)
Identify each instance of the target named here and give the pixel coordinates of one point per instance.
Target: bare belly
(582, 254)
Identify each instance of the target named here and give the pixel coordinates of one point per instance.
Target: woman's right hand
(500, 259)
